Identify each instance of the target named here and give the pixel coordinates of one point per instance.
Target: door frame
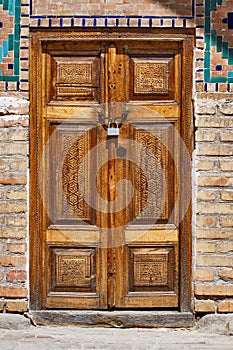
(40, 37)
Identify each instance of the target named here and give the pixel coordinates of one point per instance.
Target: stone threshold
(115, 319)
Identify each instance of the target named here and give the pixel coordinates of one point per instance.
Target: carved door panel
(108, 211)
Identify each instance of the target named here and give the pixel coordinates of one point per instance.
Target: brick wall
(13, 202)
(213, 155)
(213, 207)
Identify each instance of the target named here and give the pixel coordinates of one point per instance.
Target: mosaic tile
(218, 41)
(9, 42)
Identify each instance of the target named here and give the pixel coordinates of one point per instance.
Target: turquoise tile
(5, 4)
(230, 74)
(230, 80)
(1, 53)
(16, 49)
(1, 2)
(207, 7)
(16, 66)
(230, 60)
(207, 42)
(225, 51)
(207, 60)
(219, 43)
(17, 15)
(11, 7)
(207, 25)
(213, 37)
(207, 74)
(219, 80)
(11, 41)
(11, 78)
(17, 32)
(213, 5)
(5, 48)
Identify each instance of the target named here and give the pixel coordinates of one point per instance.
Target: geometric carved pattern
(73, 153)
(150, 268)
(73, 268)
(151, 77)
(76, 78)
(151, 201)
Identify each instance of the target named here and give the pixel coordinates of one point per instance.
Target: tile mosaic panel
(9, 40)
(218, 60)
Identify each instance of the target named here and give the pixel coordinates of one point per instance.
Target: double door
(110, 168)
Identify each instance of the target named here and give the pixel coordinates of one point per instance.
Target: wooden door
(109, 213)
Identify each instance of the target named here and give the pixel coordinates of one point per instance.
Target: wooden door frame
(38, 38)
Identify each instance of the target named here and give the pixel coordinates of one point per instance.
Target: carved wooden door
(108, 210)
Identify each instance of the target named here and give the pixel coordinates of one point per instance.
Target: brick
(206, 107)
(213, 290)
(13, 179)
(214, 233)
(206, 195)
(226, 165)
(211, 149)
(226, 275)
(1, 275)
(18, 207)
(16, 276)
(214, 260)
(215, 181)
(17, 134)
(17, 248)
(205, 247)
(215, 208)
(205, 165)
(227, 195)
(214, 122)
(225, 306)
(16, 220)
(13, 105)
(203, 220)
(12, 261)
(16, 306)
(226, 108)
(226, 135)
(205, 135)
(14, 148)
(2, 305)
(204, 275)
(14, 194)
(204, 306)
(13, 292)
(225, 247)
(13, 120)
(12, 233)
(18, 165)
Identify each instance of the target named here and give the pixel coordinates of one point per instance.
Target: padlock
(113, 131)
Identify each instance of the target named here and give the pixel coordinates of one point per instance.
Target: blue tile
(230, 20)
(218, 67)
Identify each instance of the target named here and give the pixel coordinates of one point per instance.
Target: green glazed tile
(11, 78)
(213, 37)
(225, 52)
(207, 7)
(207, 42)
(17, 2)
(213, 5)
(5, 4)
(207, 60)
(17, 15)
(16, 66)
(16, 49)
(219, 43)
(207, 75)
(230, 60)
(230, 80)
(17, 32)
(11, 41)
(207, 25)
(219, 80)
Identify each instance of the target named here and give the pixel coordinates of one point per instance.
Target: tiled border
(13, 43)
(214, 46)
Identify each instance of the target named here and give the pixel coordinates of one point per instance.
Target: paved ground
(68, 338)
